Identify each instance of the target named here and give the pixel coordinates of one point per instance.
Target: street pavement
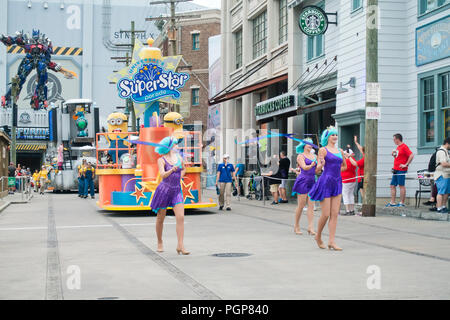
(58, 246)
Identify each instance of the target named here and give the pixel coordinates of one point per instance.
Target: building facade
(327, 76)
(192, 43)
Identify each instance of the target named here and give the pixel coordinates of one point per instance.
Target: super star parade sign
(148, 81)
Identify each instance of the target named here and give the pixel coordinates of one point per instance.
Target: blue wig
(326, 134)
(168, 143)
(301, 147)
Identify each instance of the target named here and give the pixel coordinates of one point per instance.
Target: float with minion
(129, 176)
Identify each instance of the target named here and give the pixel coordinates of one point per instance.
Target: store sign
(33, 134)
(276, 106)
(150, 83)
(373, 113)
(433, 41)
(373, 92)
(313, 21)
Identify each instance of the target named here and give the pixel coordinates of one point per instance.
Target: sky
(209, 3)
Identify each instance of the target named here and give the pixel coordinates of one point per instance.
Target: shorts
(348, 193)
(283, 183)
(274, 188)
(398, 178)
(443, 185)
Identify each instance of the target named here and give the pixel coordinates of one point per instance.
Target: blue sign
(433, 41)
(151, 83)
(33, 134)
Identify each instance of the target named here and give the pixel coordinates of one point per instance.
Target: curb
(4, 206)
(416, 214)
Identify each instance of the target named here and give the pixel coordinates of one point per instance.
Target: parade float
(126, 161)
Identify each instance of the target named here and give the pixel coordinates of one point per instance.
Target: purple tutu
(168, 193)
(330, 182)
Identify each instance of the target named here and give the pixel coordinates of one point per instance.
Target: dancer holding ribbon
(168, 193)
(306, 163)
(328, 188)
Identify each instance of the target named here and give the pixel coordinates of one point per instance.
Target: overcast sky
(209, 3)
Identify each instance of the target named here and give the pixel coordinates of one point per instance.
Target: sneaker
(401, 205)
(429, 203)
(92, 197)
(221, 208)
(274, 203)
(445, 210)
(284, 201)
(228, 209)
(434, 209)
(390, 205)
(351, 213)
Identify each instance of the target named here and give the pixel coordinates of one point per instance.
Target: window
(195, 97)
(283, 21)
(260, 35)
(238, 46)
(315, 45)
(434, 108)
(426, 6)
(356, 4)
(195, 41)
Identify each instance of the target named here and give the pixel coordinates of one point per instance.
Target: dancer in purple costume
(306, 163)
(328, 188)
(168, 193)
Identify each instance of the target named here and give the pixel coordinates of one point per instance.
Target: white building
(414, 74)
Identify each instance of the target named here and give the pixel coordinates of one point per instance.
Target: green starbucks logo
(313, 21)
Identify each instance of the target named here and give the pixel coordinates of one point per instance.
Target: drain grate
(231, 255)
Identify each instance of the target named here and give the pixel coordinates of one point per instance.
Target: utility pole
(172, 28)
(15, 84)
(127, 60)
(371, 132)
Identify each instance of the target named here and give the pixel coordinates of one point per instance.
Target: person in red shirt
(349, 184)
(402, 158)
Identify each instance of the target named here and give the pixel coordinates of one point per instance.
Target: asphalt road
(61, 247)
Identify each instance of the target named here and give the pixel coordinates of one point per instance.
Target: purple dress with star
(306, 179)
(168, 193)
(330, 182)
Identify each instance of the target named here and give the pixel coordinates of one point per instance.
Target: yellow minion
(117, 128)
(174, 120)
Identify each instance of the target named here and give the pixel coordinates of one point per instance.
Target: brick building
(192, 43)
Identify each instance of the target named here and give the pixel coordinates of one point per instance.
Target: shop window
(434, 108)
(260, 35)
(426, 6)
(195, 41)
(315, 45)
(238, 47)
(195, 97)
(356, 5)
(283, 21)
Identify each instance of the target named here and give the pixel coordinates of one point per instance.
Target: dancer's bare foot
(320, 243)
(160, 247)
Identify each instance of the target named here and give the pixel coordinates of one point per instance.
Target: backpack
(432, 165)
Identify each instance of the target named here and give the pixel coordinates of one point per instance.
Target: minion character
(118, 130)
(174, 120)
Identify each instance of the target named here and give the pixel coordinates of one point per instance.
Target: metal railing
(22, 186)
(3, 181)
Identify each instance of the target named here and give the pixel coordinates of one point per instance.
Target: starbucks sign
(313, 21)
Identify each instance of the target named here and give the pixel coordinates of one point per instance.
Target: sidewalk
(421, 213)
(15, 198)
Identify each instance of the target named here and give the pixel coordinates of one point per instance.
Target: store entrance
(29, 160)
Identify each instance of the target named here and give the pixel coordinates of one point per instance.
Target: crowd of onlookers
(24, 177)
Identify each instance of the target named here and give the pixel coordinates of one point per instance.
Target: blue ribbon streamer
(276, 135)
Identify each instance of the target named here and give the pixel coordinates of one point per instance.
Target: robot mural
(38, 49)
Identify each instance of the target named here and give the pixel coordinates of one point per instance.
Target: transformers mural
(38, 49)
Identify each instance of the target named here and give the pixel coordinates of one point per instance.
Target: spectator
(360, 168)
(60, 156)
(240, 171)
(283, 173)
(274, 182)
(349, 184)
(11, 174)
(402, 159)
(225, 177)
(442, 176)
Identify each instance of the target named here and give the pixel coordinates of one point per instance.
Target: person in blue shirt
(225, 177)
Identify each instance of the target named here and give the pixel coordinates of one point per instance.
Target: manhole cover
(108, 298)
(231, 255)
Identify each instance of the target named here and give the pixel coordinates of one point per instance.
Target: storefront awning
(31, 147)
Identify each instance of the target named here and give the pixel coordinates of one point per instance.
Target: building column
(88, 50)
(3, 60)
